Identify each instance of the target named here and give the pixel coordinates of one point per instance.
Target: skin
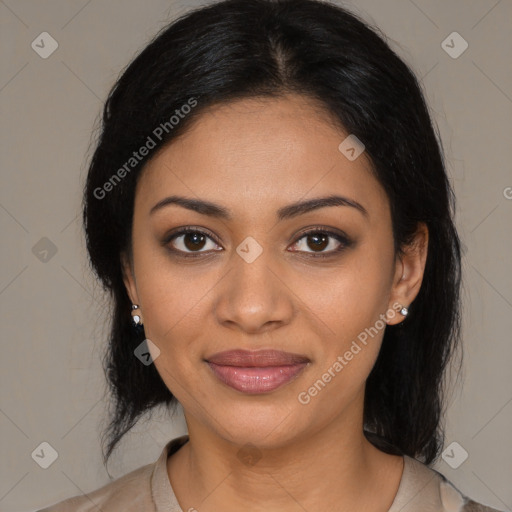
(252, 157)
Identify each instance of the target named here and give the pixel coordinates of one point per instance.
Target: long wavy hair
(267, 48)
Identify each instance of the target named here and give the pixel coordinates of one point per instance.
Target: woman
(269, 207)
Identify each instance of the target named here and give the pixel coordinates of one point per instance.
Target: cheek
(345, 358)
(174, 319)
(174, 323)
(352, 307)
(353, 296)
(172, 295)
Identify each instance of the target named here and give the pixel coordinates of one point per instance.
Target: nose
(254, 297)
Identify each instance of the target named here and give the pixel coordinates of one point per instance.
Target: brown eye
(189, 241)
(317, 241)
(194, 241)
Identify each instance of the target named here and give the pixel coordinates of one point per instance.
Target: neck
(333, 468)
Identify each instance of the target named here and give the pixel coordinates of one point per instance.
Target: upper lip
(259, 358)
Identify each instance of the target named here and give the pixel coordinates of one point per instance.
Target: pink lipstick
(255, 372)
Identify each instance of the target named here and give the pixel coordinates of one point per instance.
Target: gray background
(54, 314)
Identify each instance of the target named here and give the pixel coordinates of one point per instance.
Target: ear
(128, 278)
(409, 270)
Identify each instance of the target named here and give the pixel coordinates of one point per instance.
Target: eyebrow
(287, 212)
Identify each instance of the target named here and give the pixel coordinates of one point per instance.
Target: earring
(404, 311)
(137, 319)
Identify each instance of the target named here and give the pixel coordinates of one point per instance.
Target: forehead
(259, 153)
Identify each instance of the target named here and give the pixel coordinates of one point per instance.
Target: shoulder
(424, 489)
(456, 501)
(144, 489)
(129, 492)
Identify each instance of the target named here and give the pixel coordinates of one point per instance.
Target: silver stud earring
(137, 320)
(404, 311)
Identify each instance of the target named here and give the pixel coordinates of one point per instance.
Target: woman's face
(253, 279)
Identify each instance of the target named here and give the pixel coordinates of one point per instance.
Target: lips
(254, 359)
(256, 372)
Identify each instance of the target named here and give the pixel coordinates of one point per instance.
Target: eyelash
(343, 239)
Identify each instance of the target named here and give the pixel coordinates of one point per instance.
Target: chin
(267, 426)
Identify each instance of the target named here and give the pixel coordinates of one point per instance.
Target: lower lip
(256, 380)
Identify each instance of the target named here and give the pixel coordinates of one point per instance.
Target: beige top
(148, 489)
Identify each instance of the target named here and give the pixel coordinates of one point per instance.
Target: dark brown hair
(245, 48)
